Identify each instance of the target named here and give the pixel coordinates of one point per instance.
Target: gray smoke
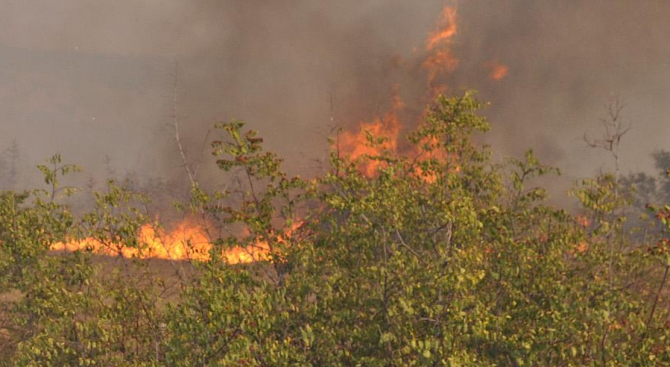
(95, 79)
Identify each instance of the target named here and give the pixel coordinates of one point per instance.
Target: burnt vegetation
(436, 256)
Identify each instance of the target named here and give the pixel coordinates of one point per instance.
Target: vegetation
(442, 258)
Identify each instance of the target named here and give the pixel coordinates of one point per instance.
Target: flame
(497, 71)
(446, 30)
(440, 59)
(430, 148)
(439, 62)
(186, 241)
(356, 144)
(190, 241)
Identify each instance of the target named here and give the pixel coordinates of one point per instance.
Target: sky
(94, 81)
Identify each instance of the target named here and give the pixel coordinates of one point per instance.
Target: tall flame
(440, 59)
(446, 31)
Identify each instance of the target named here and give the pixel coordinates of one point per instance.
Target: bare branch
(175, 123)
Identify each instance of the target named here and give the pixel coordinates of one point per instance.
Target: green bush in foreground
(441, 259)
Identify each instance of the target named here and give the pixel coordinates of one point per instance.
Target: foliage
(441, 258)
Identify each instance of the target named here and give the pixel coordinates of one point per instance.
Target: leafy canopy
(441, 258)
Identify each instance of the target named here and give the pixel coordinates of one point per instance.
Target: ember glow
(497, 71)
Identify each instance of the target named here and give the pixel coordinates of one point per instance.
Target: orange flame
(440, 59)
(446, 31)
(497, 71)
(356, 144)
(440, 62)
(186, 241)
(430, 149)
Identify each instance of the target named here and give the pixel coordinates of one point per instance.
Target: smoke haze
(95, 79)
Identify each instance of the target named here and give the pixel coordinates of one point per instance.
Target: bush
(440, 258)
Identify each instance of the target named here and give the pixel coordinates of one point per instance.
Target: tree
(438, 258)
(431, 261)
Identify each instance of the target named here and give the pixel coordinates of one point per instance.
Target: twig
(658, 295)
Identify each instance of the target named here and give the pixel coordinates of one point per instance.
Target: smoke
(566, 60)
(95, 79)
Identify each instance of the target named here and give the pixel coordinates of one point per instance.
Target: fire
(429, 149)
(439, 61)
(186, 241)
(446, 31)
(190, 241)
(356, 144)
(440, 58)
(497, 71)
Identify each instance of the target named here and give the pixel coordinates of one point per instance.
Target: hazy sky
(92, 79)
